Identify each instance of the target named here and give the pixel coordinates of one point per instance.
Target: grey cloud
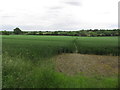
(56, 8)
(74, 3)
(54, 11)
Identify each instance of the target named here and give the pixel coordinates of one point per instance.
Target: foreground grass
(19, 73)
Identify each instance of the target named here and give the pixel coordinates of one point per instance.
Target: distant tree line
(90, 33)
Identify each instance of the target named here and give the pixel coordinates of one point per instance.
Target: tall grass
(20, 73)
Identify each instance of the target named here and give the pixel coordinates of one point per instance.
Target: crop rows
(35, 47)
(98, 45)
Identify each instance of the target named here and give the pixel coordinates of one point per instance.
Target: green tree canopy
(5, 32)
(17, 31)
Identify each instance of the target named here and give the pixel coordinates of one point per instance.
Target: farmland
(28, 61)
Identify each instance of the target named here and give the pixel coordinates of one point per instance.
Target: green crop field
(28, 61)
(98, 45)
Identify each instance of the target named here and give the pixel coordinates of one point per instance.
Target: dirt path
(76, 48)
(87, 64)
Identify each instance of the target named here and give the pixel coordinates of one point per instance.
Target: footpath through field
(76, 48)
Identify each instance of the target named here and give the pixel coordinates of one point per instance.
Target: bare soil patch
(72, 64)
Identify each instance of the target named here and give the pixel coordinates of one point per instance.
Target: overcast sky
(58, 14)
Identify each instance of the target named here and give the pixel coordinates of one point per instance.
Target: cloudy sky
(58, 14)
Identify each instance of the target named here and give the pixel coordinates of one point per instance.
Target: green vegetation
(36, 47)
(98, 45)
(88, 33)
(17, 31)
(28, 63)
(20, 73)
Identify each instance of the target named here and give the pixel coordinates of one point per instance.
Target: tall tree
(17, 31)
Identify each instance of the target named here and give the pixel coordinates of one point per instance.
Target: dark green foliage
(5, 32)
(40, 33)
(88, 33)
(17, 31)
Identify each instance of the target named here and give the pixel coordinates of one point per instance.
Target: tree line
(90, 32)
